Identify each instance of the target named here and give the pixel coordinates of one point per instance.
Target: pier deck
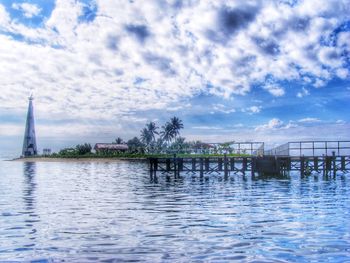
(279, 165)
(305, 157)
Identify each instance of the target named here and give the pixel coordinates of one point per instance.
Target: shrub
(82, 149)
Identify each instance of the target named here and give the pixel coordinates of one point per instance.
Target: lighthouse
(29, 142)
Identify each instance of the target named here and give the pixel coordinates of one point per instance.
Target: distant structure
(110, 147)
(29, 142)
(46, 151)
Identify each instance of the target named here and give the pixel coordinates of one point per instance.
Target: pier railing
(311, 148)
(248, 148)
(240, 148)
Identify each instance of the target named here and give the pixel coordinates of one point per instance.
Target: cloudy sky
(231, 70)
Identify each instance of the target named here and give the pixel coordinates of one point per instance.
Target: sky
(273, 71)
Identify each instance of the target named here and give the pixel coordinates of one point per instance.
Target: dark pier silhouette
(323, 157)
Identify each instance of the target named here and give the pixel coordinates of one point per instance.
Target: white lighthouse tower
(29, 142)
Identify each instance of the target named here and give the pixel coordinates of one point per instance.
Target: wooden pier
(267, 165)
(327, 165)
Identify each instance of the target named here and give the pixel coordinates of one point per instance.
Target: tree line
(152, 139)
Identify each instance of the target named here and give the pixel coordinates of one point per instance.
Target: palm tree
(119, 140)
(152, 130)
(146, 137)
(159, 145)
(176, 126)
(167, 132)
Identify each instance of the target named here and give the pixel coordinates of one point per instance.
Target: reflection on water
(29, 188)
(113, 212)
(29, 172)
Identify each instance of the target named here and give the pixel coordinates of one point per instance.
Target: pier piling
(334, 164)
(201, 167)
(225, 167)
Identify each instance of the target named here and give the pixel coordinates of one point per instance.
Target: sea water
(113, 212)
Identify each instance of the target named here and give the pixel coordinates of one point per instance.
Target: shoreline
(83, 159)
(101, 159)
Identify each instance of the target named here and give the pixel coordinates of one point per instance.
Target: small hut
(110, 147)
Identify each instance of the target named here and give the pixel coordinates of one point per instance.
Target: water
(112, 212)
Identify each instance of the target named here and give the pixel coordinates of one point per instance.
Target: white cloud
(304, 92)
(11, 129)
(276, 124)
(223, 109)
(342, 73)
(274, 89)
(29, 10)
(271, 125)
(343, 40)
(309, 120)
(88, 70)
(340, 122)
(255, 109)
(252, 109)
(290, 125)
(329, 56)
(4, 17)
(319, 83)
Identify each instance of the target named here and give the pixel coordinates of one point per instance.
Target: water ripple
(112, 212)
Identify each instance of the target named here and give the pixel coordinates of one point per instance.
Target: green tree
(146, 136)
(199, 147)
(159, 145)
(167, 132)
(83, 148)
(67, 151)
(136, 146)
(179, 145)
(176, 125)
(119, 140)
(152, 130)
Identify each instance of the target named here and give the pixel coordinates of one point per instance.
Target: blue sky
(271, 71)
